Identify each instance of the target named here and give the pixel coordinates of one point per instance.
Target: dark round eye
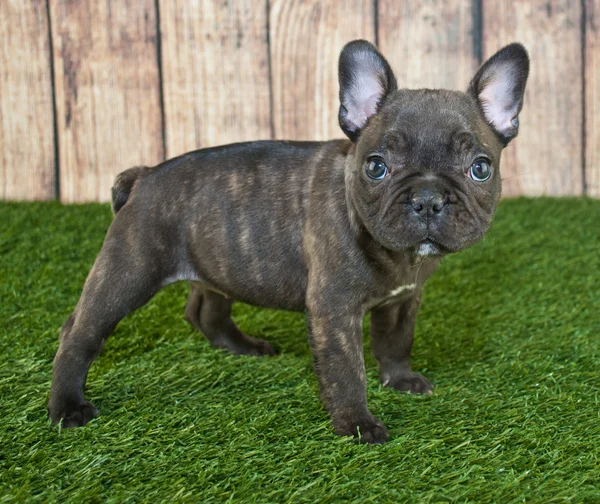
(376, 168)
(480, 170)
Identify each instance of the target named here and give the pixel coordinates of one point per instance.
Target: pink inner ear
(364, 98)
(497, 100)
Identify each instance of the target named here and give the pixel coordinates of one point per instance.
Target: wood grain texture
(429, 43)
(107, 92)
(592, 97)
(546, 158)
(27, 164)
(306, 39)
(215, 72)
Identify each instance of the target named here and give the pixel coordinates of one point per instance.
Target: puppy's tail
(124, 183)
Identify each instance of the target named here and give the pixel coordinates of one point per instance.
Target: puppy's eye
(376, 168)
(480, 170)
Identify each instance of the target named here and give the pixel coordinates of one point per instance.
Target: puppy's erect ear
(365, 80)
(498, 87)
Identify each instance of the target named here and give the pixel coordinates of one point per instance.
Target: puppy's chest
(389, 295)
(402, 283)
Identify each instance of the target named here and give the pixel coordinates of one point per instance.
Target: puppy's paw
(367, 429)
(244, 345)
(407, 381)
(73, 416)
(261, 347)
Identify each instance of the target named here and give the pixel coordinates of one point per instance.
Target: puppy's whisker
(512, 176)
(419, 269)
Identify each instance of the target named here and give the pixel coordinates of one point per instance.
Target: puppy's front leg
(335, 334)
(392, 329)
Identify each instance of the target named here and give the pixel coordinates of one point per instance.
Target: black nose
(427, 200)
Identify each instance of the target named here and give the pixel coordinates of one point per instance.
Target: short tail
(123, 185)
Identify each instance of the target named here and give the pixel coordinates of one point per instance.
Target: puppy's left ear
(499, 86)
(365, 80)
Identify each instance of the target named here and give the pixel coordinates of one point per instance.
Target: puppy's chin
(422, 246)
(428, 248)
(419, 244)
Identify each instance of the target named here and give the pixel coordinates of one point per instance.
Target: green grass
(509, 332)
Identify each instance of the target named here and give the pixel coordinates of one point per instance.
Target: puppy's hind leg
(121, 280)
(210, 313)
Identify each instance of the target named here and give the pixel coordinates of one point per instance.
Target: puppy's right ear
(365, 80)
(498, 87)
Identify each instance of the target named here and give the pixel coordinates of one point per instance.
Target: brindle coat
(302, 226)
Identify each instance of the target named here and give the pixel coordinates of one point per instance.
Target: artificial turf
(509, 331)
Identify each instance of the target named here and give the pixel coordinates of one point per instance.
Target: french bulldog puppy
(334, 229)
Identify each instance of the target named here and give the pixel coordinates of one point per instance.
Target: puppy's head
(425, 172)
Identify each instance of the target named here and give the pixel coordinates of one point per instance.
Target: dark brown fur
(299, 226)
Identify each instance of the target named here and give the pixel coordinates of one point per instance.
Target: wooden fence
(91, 87)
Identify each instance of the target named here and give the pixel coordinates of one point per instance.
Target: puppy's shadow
(468, 309)
(162, 320)
(285, 330)
(459, 316)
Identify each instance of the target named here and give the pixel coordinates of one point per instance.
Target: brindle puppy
(334, 229)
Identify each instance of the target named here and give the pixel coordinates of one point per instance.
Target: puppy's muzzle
(428, 202)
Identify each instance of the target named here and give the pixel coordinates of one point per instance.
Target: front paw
(407, 381)
(73, 416)
(365, 429)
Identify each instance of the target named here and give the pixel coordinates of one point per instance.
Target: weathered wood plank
(215, 72)
(306, 39)
(429, 43)
(547, 156)
(592, 97)
(27, 160)
(107, 92)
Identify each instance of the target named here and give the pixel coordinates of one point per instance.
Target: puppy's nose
(427, 200)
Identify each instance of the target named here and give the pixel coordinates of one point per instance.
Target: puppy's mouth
(430, 247)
